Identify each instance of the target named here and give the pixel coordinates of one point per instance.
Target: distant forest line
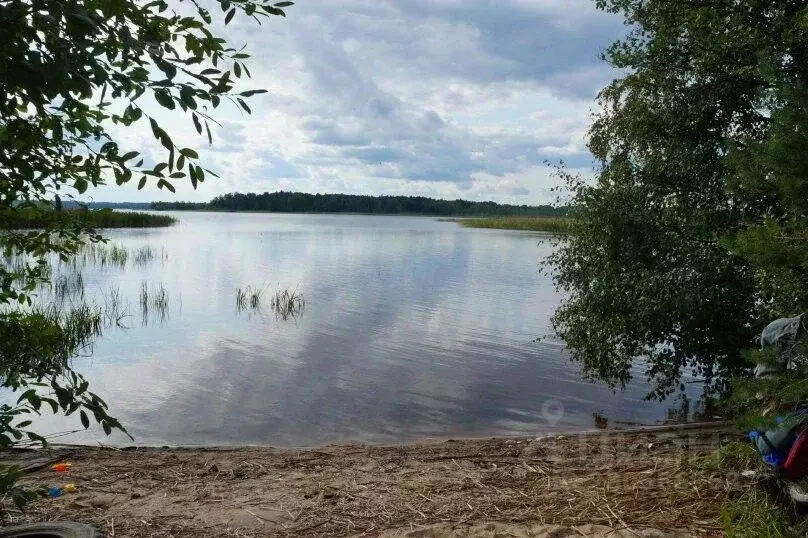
(298, 202)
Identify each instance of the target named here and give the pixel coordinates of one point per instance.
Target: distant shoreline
(437, 216)
(301, 202)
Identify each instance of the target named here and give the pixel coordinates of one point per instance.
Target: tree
(71, 73)
(693, 233)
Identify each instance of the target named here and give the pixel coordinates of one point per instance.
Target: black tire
(51, 529)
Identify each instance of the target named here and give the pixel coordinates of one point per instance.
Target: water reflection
(412, 328)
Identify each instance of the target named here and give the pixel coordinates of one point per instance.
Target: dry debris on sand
(634, 483)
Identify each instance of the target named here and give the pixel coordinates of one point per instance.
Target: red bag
(796, 465)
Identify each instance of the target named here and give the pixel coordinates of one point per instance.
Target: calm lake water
(413, 328)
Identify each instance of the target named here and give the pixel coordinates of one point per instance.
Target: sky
(444, 98)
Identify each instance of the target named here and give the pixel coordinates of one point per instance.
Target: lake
(412, 328)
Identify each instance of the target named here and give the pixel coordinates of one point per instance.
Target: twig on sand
(311, 527)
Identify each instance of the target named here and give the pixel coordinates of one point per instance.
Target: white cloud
(441, 98)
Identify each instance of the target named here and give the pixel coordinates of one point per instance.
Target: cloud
(441, 98)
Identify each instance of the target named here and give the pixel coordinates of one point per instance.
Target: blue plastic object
(55, 491)
(774, 458)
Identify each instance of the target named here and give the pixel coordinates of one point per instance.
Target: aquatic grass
(82, 324)
(154, 301)
(255, 298)
(118, 255)
(79, 325)
(160, 299)
(143, 255)
(288, 304)
(116, 308)
(558, 225)
(67, 286)
(101, 255)
(249, 297)
(241, 299)
(26, 268)
(34, 218)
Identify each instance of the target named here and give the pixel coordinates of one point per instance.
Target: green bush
(36, 348)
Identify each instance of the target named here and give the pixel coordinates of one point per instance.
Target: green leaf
(156, 130)
(165, 184)
(166, 141)
(169, 69)
(229, 16)
(129, 156)
(58, 134)
(244, 105)
(141, 183)
(248, 93)
(188, 152)
(284, 4)
(54, 405)
(196, 123)
(80, 185)
(85, 421)
(237, 69)
(37, 438)
(27, 395)
(187, 97)
(192, 174)
(165, 99)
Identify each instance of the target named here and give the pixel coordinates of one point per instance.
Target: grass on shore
(30, 218)
(757, 508)
(558, 225)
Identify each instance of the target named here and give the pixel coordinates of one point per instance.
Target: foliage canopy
(74, 75)
(693, 234)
